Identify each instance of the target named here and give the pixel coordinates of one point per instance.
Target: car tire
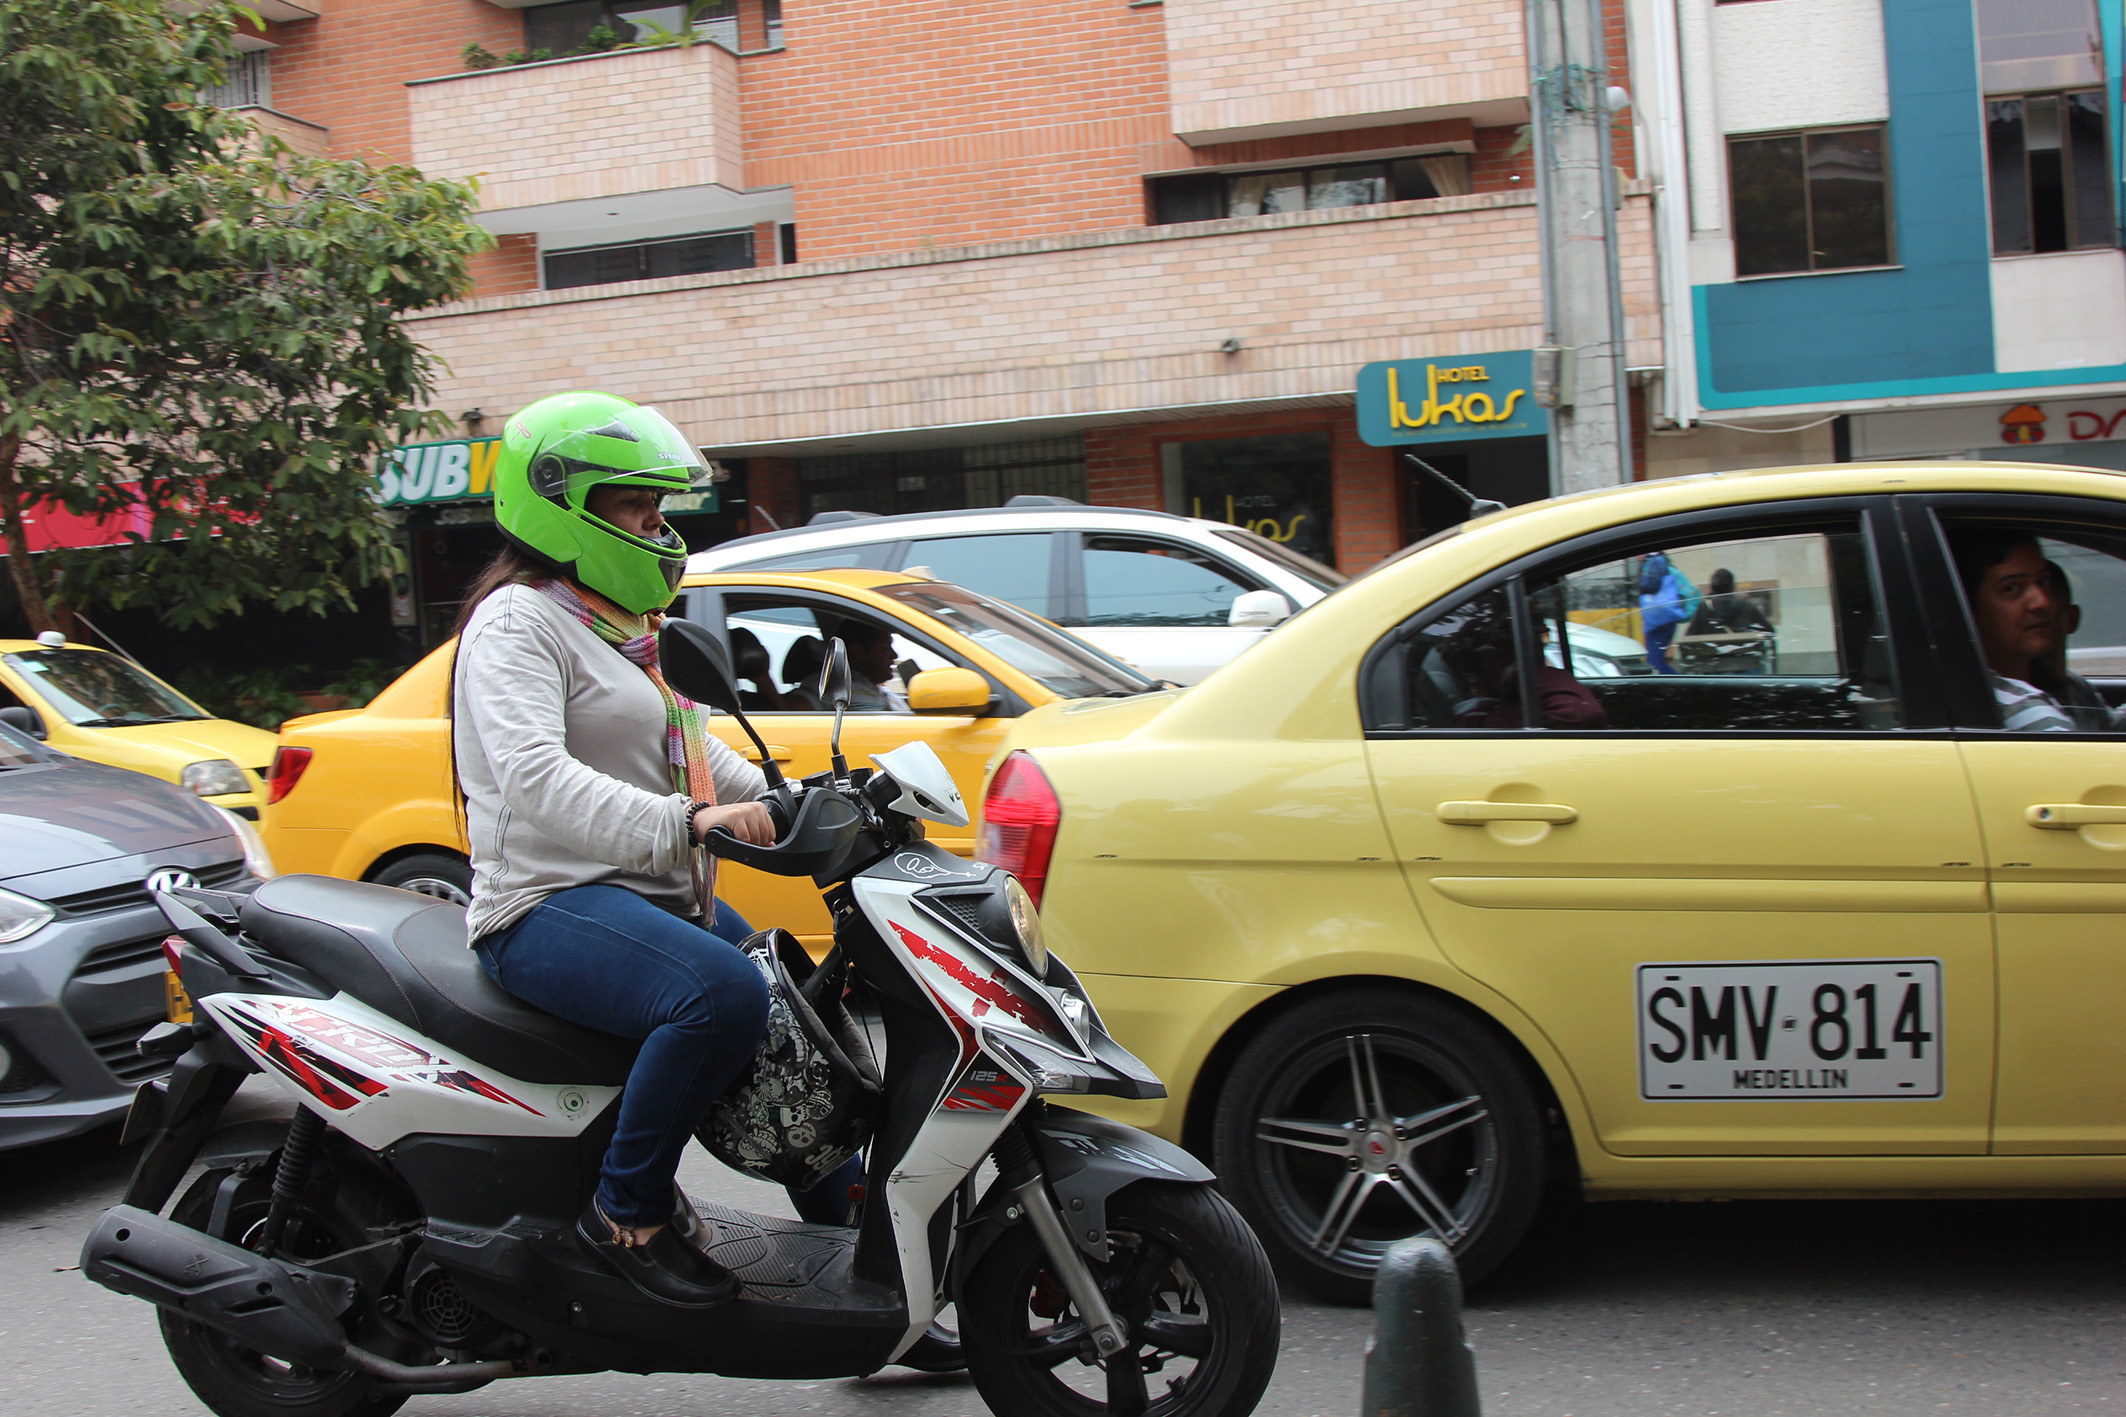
(430, 873)
(1363, 1118)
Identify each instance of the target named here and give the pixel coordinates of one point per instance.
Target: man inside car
(2024, 613)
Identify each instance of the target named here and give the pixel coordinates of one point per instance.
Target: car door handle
(1476, 814)
(775, 750)
(2067, 816)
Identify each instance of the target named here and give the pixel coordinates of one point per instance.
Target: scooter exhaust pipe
(284, 1310)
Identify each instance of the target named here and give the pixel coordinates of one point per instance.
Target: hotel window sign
(463, 470)
(1450, 399)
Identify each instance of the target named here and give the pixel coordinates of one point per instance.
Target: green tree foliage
(197, 323)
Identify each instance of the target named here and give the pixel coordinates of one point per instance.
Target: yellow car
(366, 794)
(95, 705)
(1417, 905)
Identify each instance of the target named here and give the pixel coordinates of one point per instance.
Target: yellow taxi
(366, 794)
(95, 705)
(1417, 907)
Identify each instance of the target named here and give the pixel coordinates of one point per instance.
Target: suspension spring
(293, 1175)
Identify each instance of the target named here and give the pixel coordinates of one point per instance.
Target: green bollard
(1418, 1362)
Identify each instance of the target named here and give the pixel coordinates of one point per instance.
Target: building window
(941, 479)
(1209, 196)
(592, 26)
(646, 260)
(2046, 163)
(1280, 486)
(1810, 201)
(248, 84)
(2047, 127)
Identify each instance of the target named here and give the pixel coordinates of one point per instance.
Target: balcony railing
(596, 126)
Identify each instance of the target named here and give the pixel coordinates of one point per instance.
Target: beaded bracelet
(695, 809)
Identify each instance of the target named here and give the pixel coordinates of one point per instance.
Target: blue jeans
(606, 958)
(1657, 638)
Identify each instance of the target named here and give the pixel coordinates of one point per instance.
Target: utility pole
(1576, 206)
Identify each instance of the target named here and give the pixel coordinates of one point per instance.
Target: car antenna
(123, 652)
(1478, 506)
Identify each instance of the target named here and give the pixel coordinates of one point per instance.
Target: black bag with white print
(807, 1101)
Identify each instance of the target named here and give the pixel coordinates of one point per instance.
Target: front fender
(1086, 1159)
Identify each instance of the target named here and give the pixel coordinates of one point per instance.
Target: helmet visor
(637, 446)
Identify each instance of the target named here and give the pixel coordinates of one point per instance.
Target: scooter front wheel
(1188, 1278)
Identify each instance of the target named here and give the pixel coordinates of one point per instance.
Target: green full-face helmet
(554, 452)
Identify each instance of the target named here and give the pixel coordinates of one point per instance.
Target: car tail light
(287, 770)
(1020, 815)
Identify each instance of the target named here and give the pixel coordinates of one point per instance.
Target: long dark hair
(512, 565)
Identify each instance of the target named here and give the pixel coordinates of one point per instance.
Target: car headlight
(215, 777)
(21, 917)
(1026, 921)
(257, 860)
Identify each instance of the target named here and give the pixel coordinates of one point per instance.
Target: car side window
(1778, 632)
(2046, 609)
(778, 646)
(1010, 566)
(1134, 580)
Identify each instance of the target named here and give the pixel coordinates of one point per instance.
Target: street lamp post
(1576, 206)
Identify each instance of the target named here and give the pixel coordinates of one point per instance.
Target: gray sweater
(560, 748)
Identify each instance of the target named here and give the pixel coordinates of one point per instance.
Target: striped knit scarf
(635, 636)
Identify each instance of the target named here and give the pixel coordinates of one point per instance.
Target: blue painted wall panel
(1930, 319)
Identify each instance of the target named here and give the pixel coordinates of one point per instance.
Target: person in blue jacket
(1666, 599)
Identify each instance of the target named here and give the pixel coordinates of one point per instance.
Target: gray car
(80, 941)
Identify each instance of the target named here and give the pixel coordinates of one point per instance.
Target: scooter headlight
(1026, 922)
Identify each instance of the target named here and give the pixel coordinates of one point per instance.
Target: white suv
(1175, 596)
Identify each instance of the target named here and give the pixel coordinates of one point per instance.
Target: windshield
(91, 689)
(1068, 667)
(1305, 567)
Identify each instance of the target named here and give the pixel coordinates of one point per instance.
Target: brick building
(892, 255)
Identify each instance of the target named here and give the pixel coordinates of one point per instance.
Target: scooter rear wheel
(1187, 1276)
(235, 1381)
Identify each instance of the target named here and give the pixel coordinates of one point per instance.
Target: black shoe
(667, 1269)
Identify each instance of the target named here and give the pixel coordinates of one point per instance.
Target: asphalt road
(1751, 1309)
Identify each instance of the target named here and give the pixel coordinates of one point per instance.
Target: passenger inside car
(2023, 610)
(870, 647)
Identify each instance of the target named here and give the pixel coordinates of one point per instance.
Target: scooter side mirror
(835, 691)
(695, 663)
(836, 688)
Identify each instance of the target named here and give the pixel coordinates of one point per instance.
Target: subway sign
(454, 471)
(463, 470)
(1450, 400)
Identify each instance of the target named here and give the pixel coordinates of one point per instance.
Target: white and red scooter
(410, 1231)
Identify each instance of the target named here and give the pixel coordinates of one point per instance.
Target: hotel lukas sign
(1449, 400)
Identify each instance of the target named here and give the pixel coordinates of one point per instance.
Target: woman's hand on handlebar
(748, 821)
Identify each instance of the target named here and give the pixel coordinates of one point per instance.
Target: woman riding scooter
(589, 785)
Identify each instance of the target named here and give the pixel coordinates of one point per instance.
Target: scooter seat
(406, 955)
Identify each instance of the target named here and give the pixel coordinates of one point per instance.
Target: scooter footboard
(285, 1310)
